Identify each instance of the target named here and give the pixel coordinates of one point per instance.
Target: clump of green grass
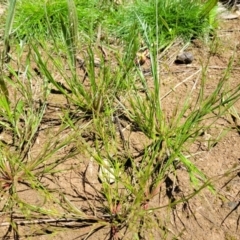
(34, 17)
(173, 18)
(169, 141)
(96, 102)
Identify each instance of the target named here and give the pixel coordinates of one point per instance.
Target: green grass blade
(8, 29)
(8, 26)
(208, 6)
(73, 31)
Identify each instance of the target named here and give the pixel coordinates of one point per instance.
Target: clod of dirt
(228, 15)
(141, 58)
(229, 10)
(184, 58)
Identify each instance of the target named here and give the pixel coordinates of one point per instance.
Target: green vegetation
(173, 18)
(74, 49)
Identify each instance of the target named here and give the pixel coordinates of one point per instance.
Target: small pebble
(184, 58)
(232, 205)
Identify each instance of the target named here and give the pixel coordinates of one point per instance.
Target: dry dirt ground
(206, 216)
(212, 217)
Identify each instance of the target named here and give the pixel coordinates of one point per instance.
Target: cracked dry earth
(205, 216)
